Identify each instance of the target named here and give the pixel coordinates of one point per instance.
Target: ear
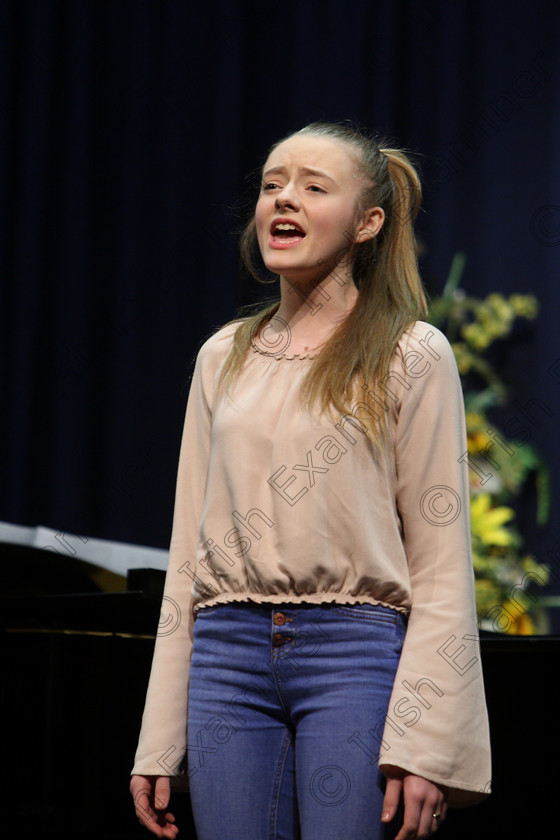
(372, 223)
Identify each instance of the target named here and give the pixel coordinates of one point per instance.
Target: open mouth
(286, 233)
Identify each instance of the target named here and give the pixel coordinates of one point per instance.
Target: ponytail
(400, 241)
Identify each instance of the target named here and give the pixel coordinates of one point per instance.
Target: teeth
(286, 227)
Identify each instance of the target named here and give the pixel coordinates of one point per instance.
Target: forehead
(331, 155)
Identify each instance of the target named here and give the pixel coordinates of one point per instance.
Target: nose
(287, 197)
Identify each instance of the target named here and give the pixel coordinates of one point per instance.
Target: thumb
(162, 792)
(391, 799)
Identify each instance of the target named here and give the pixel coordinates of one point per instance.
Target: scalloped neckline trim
(287, 356)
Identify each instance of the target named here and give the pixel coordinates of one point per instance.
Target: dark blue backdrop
(128, 129)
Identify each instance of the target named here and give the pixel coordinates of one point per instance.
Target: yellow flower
(527, 306)
(476, 336)
(495, 316)
(522, 623)
(540, 570)
(475, 420)
(478, 442)
(487, 522)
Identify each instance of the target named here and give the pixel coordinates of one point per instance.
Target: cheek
(332, 229)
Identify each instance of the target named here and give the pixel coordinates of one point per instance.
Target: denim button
(278, 640)
(279, 618)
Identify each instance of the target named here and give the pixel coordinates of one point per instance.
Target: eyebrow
(304, 170)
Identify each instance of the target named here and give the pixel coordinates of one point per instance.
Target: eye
(316, 188)
(266, 187)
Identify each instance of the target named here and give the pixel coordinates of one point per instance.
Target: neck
(314, 311)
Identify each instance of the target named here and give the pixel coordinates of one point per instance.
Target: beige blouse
(277, 505)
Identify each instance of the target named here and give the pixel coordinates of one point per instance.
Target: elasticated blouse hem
(307, 598)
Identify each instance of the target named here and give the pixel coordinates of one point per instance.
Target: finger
(158, 824)
(439, 812)
(142, 805)
(162, 792)
(427, 823)
(162, 795)
(170, 831)
(432, 813)
(411, 818)
(391, 799)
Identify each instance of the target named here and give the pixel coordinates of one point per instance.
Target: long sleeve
(437, 725)
(162, 742)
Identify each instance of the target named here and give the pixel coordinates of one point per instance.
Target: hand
(422, 799)
(151, 800)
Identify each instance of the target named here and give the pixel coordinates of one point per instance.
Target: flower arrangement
(499, 467)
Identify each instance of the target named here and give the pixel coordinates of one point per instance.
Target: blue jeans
(286, 712)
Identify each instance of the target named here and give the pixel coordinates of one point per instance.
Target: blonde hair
(385, 272)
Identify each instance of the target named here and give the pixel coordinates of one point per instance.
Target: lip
(286, 242)
(285, 221)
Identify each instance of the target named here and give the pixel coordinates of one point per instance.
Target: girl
(320, 565)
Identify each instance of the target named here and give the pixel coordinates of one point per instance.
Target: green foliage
(505, 576)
